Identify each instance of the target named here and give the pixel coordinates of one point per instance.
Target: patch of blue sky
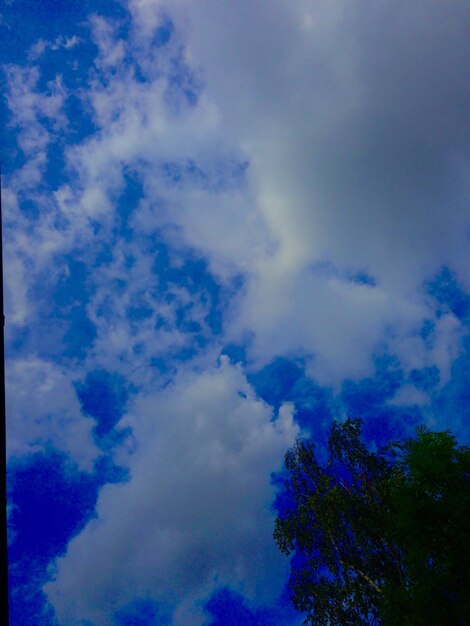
(172, 271)
(427, 332)
(328, 270)
(126, 203)
(229, 608)
(362, 278)
(193, 274)
(227, 174)
(186, 353)
(451, 403)
(447, 406)
(107, 442)
(138, 58)
(283, 499)
(163, 366)
(237, 353)
(74, 284)
(366, 395)
(163, 33)
(103, 396)
(63, 50)
(391, 423)
(192, 300)
(285, 380)
(79, 334)
(56, 172)
(184, 86)
(106, 471)
(48, 488)
(140, 313)
(24, 23)
(143, 612)
(70, 58)
(370, 399)
(449, 295)
(12, 157)
(51, 501)
(62, 305)
(102, 250)
(425, 379)
(48, 337)
(29, 208)
(18, 341)
(80, 123)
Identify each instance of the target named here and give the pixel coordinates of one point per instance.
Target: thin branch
(363, 575)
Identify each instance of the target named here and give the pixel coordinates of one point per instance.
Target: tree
(431, 505)
(375, 533)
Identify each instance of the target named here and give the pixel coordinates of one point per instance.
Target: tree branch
(368, 579)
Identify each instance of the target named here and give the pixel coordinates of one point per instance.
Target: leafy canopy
(378, 537)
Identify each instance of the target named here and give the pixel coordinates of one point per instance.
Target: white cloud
(409, 395)
(196, 513)
(356, 157)
(30, 244)
(355, 145)
(340, 323)
(111, 49)
(60, 42)
(129, 283)
(37, 115)
(42, 409)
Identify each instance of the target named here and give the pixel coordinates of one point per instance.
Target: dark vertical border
(4, 615)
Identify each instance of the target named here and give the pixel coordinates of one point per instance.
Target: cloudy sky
(226, 223)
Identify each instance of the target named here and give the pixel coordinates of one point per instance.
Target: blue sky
(224, 227)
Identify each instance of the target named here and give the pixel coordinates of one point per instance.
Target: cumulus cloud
(354, 147)
(43, 410)
(353, 156)
(196, 512)
(352, 118)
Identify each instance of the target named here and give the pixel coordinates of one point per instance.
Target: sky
(226, 224)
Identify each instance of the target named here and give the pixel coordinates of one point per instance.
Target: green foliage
(431, 504)
(379, 537)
